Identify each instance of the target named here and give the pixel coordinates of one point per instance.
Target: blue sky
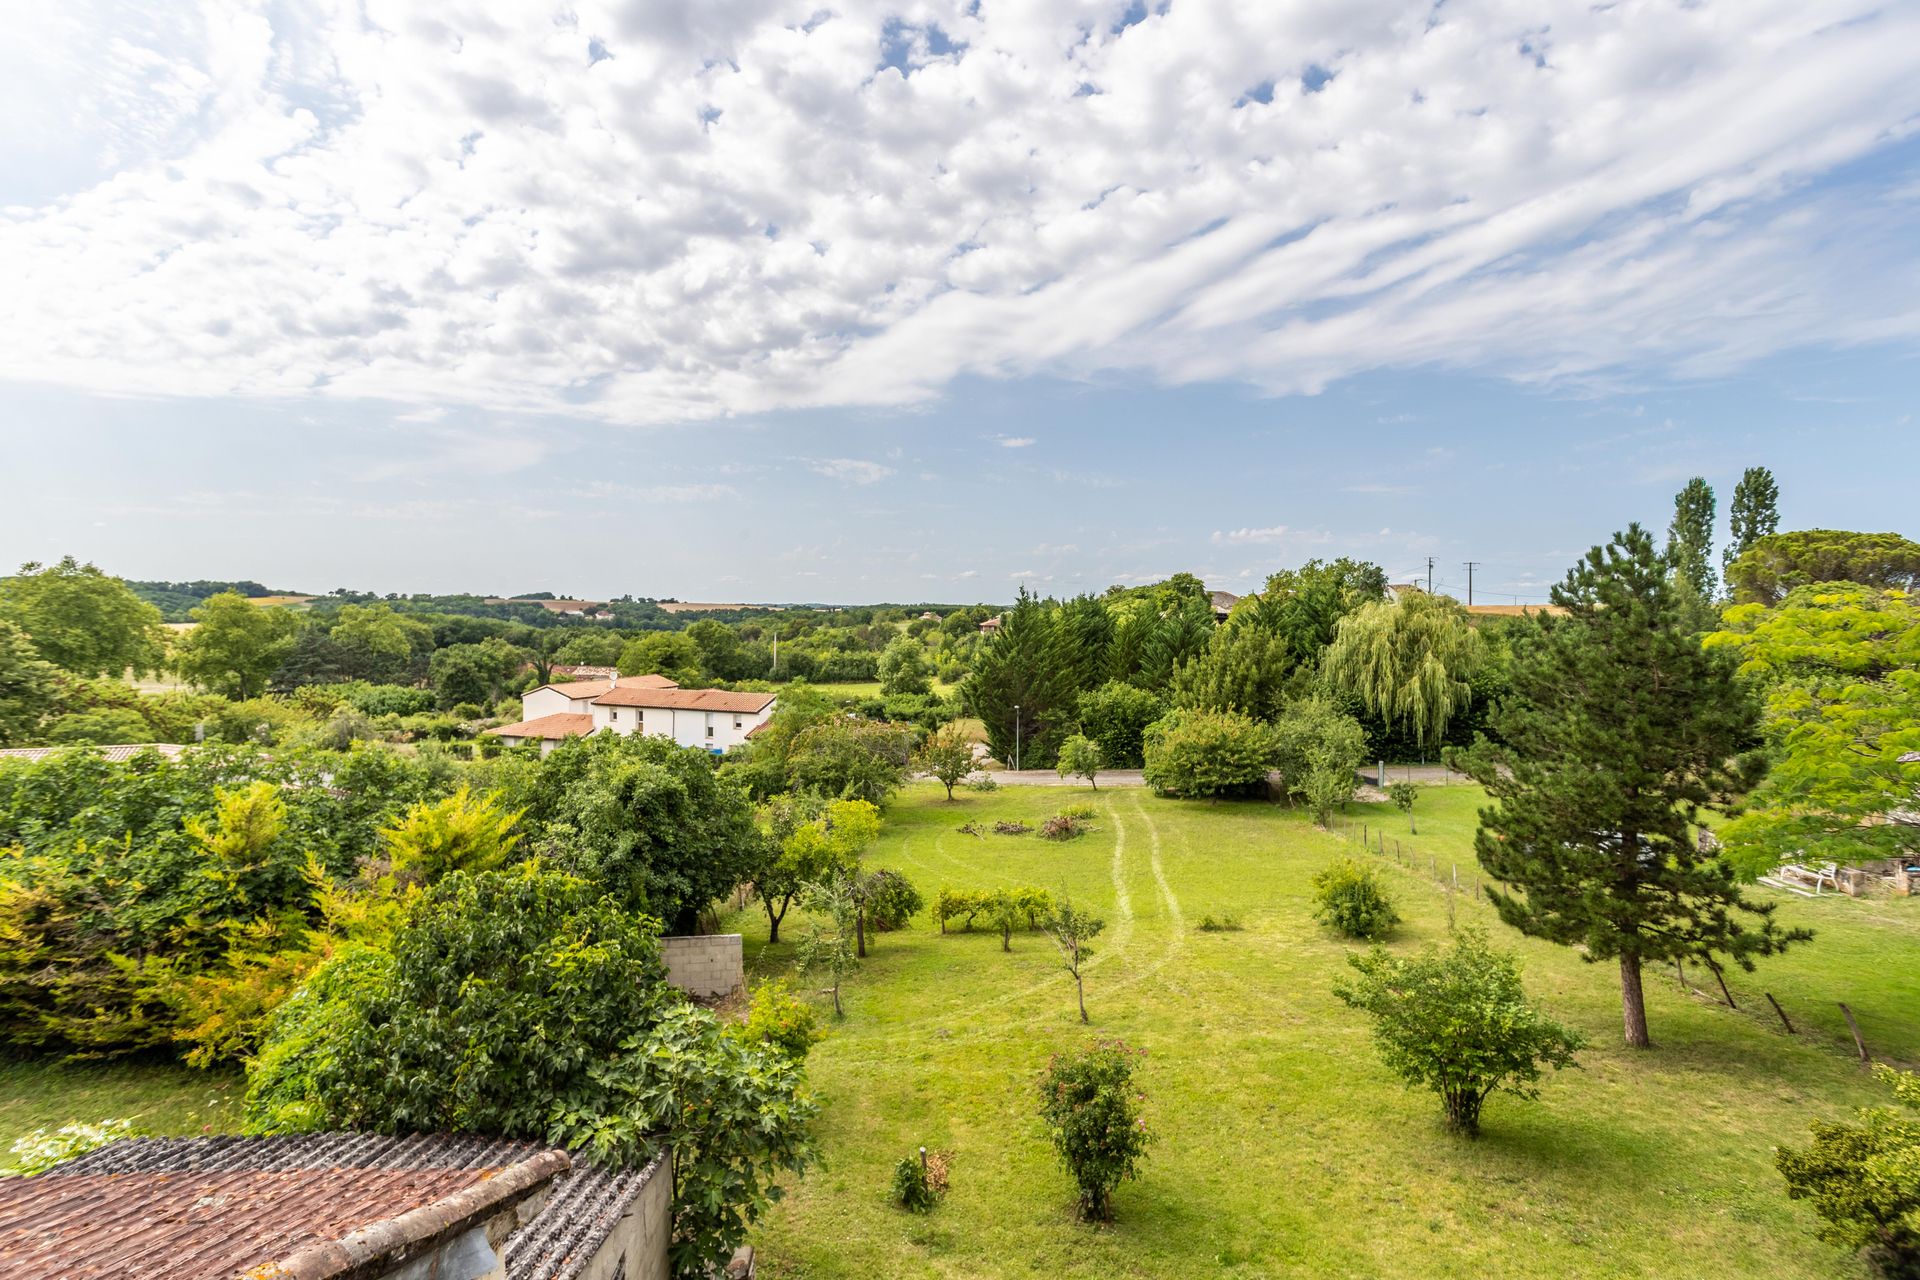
(767, 301)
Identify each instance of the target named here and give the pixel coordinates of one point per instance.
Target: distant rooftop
(116, 753)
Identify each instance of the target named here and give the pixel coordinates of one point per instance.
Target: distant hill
(176, 600)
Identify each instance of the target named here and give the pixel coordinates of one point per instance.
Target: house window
(613, 715)
(736, 722)
(709, 724)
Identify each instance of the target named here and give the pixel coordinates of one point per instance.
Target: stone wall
(705, 965)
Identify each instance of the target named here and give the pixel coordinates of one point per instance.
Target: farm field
(1283, 1147)
(161, 1099)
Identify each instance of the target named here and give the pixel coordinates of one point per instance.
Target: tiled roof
(686, 699)
(310, 1207)
(119, 753)
(590, 689)
(561, 724)
(578, 672)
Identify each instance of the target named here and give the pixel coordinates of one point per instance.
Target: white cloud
(742, 210)
(1272, 533)
(1013, 442)
(851, 470)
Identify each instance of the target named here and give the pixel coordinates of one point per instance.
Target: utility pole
(1470, 567)
(1429, 575)
(1016, 737)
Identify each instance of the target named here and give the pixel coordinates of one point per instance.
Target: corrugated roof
(685, 699)
(312, 1206)
(561, 724)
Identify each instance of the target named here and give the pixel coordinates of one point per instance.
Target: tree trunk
(838, 1012)
(773, 922)
(1633, 1003)
(860, 933)
(1080, 991)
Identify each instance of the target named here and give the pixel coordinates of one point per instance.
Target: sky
(766, 301)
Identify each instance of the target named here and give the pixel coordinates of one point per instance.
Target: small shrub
(983, 782)
(891, 901)
(1459, 1023)
(972, 829)
(779, 1019)
(920, 1180)
(1083, 811)
(1222, 924)
(1352, 899)
(1860, 1179)
(1013, 828)
(42, 1149)
(1208, 753)
(1403, 794)
(1091, 1111)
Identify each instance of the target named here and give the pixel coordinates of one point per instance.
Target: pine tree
(1755, 514)
(1619, 726)
(1690, 538)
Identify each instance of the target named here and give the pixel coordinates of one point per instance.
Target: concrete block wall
(704, 965)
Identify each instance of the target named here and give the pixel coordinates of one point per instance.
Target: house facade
(711, 719)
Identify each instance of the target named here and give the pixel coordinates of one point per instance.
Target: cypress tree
(1024, 666)
(1690, 538)
(1618, 728)
(1755, 513)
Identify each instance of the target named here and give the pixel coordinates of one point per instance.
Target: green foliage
(102, 726)
(1116, 715)
(235, 647)
(1244, 669)
(1690, 539)
(475, 673)
(668, 653)
(913, 1188)
(1755, 514)
(945, 755)
(1459, 1023)
(1864, 1179)
(1024, 673)
(1073, 929)
(1175, 636)
(832, 929)
(376, 643)
(1620, 726)
(1208, 753)
(1081, 757)
(1403, 794)
(461, 832)
(1352, 898)
(851, 759)
(26, 686)
(1839, 668)
(1303, 606)
(904, 669)
(42, 1149)
(1091, 1110)
(1317, 747)
(647, 820)
(889, 900)
(83, 620)
(1410, 662)
(1781, 562)
(778, 1019)
(1007, 908)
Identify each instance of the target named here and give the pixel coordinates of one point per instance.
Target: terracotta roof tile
(686, 700)
(561, 724)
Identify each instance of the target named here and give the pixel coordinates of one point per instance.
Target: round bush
(1351, 898)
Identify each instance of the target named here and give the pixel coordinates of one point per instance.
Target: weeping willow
(1410, 662)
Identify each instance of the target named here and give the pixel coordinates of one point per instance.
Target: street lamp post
(1016, 737)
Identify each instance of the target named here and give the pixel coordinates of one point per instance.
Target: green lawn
(1284, 1149)
(159, 1099)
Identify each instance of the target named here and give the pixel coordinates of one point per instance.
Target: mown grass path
(1284, 1149)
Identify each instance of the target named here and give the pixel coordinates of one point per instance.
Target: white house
(712, 719)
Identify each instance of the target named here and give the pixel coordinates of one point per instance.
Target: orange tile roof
(561, 724)
(590, 689)
(685, 699)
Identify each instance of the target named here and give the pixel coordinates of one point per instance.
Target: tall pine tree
(1755, 513)
(1690, 538)
(1618, 728)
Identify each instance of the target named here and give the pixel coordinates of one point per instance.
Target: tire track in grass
(1122, 900)
(1174, 915)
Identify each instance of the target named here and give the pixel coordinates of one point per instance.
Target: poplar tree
(1690, 538)
(1619, 726)
(1755, 514)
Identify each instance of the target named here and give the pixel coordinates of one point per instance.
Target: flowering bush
(1091, 1111)
(1352, 898)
